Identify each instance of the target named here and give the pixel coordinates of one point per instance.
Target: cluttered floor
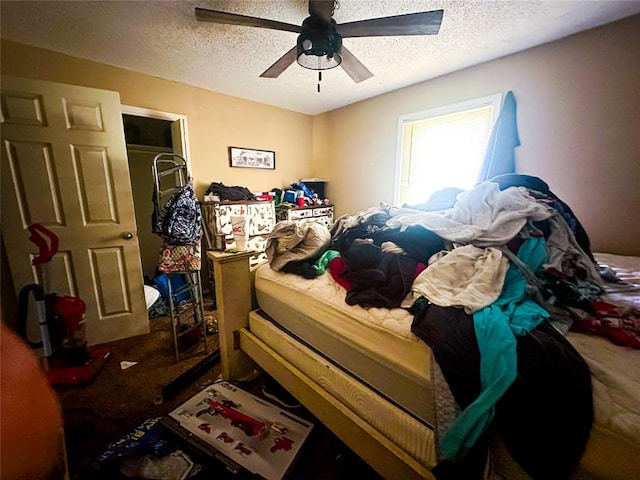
(142, 383)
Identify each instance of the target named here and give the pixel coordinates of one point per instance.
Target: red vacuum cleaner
(66, 359)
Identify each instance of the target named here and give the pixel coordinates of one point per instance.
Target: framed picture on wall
(250, 158)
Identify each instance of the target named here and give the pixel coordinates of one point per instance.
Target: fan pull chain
(319, 79)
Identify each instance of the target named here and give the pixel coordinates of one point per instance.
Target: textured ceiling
(164, 39)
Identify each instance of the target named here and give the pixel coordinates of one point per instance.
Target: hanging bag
(180, 220)
(180, 258)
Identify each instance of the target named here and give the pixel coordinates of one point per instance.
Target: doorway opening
(147, 134)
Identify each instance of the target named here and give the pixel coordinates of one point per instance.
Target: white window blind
(443, 148)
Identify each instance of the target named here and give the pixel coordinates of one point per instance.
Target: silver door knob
(127, 235)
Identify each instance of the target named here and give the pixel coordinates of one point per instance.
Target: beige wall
(578, 114)
(579, 123)
(215, 121)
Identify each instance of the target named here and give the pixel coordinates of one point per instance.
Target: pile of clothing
(494, 276)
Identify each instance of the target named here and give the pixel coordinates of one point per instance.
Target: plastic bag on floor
(175, 466)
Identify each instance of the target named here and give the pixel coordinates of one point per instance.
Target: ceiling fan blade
(281, 64)
(321, 8)
(354, 67)
(204, 15)
(422, 23)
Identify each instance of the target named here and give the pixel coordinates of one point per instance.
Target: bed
(365, 375)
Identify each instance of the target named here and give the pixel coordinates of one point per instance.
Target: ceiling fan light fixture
(319, 46)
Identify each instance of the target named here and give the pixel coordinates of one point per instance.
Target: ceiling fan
(319, 45)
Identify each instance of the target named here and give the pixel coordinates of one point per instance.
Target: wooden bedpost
(234, 292)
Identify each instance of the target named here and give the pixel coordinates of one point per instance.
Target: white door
(64, 165)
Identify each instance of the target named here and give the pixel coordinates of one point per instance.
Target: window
(443, 147)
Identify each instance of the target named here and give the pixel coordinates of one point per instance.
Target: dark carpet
(117, 400)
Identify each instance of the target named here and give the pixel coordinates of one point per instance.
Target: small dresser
(315, 213)
(262, 219)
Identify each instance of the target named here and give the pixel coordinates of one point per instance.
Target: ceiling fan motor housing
(319, 44)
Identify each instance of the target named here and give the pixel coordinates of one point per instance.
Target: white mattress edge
(414, 437)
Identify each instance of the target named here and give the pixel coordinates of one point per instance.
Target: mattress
(404, 430)
(315, 312)
(614, 443)
(615, 373)
(377, 347)
(615, 370)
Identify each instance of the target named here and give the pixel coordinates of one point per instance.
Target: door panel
(95, 184)
(23, 109)
(109, 275)
(64, 165)
(33, 176)
(58, 276)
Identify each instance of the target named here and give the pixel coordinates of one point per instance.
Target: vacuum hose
(23, 307)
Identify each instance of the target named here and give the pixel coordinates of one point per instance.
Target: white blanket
(484, 216)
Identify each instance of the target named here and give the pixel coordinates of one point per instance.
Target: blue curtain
(500, 157)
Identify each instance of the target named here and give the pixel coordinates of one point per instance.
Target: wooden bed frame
(240, 351)
(606, 455)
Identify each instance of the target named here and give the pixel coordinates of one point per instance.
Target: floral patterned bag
(180, 258)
